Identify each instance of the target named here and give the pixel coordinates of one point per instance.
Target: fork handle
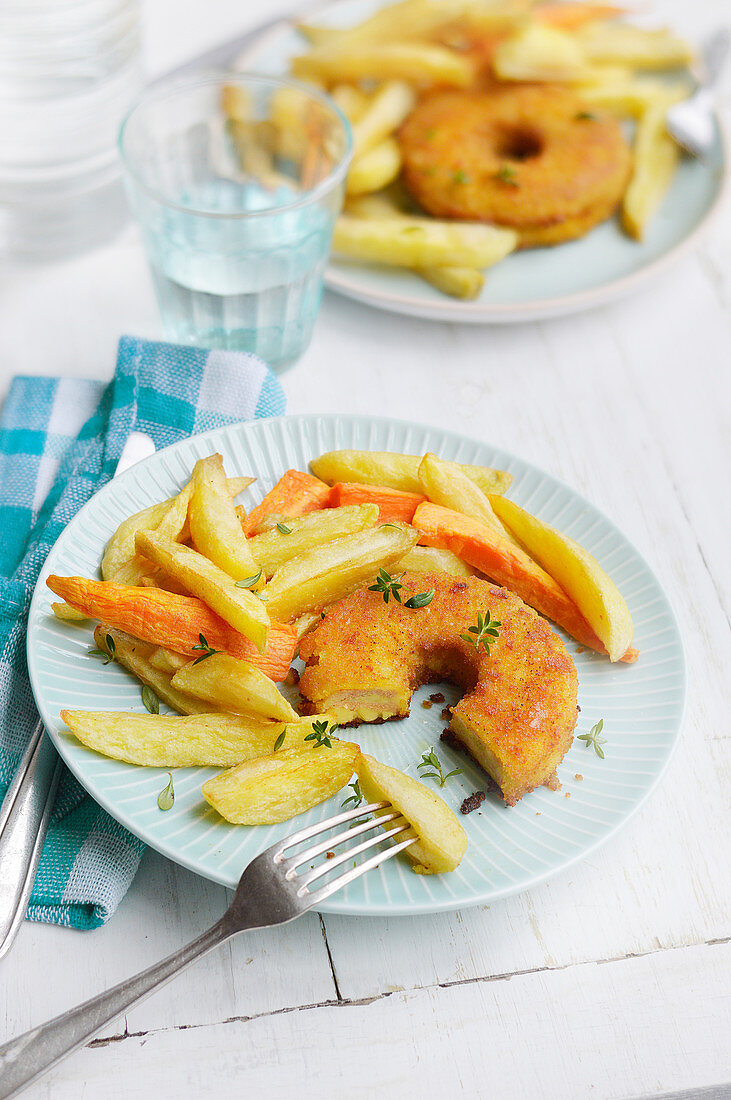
(24, 819)
(29, 1055)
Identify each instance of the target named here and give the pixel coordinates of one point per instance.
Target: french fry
(120, 562)
(579, 574)
(505, 563)
(656, 158)
(67, 613)
(236, 686)
(214, 524)
(458, 282)
(441, 839)
(168, 741)
(421, 242)
(417, 20)
(374, 169)
(277, 787)
(384, 114)
(320, 576)
(136, 657)
(175, 622)
(428, 559)
(635, 97)
(307, 622)
(351, 101)
(422, 63)
(540, 53)
(624, 44)
(237, 606)
(274, 547)
(397, 470)
(295, 494)
(392, 504)
(166, 659)
(453, 489)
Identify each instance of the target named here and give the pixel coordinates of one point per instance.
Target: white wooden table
(610, 981)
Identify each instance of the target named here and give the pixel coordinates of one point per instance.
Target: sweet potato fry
(508, 565)
(176, 622)
(394, 506)
(295, 494)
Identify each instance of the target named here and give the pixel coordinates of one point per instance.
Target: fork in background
(692, 121)
(270, 892)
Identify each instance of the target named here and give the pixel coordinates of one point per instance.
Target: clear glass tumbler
(69, 70)
(236, 181)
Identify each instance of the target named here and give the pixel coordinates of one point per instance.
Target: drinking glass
(69, 70)
(236, 181)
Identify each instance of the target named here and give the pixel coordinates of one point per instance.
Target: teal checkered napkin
(60, 441)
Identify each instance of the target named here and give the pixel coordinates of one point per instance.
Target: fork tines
(302, 881)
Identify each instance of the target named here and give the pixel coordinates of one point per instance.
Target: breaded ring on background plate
(533, 158)
(518, 712)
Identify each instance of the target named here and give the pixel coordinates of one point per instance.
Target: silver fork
(270, 891)
(691, 122)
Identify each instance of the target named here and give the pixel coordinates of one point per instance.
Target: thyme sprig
(484, 633)
(387, 586)
(356, 797)
(593, 738)
(321, 733)
(283, 529)
(108, 654)
(280, 740)
(208, 650)
(431, 761)
(507, 174)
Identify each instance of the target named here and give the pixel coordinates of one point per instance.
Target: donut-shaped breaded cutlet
(535, 159)
(517, 714)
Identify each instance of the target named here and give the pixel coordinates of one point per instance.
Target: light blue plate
(537, 283)
(509, 849)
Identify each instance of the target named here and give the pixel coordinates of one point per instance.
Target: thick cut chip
(397, 470)
(656, 158)
(422, 242)
(167, 741)
(441, 839)
(278, 787)
(136, 657)
(121, 563)
(453, 489)
(428, 559)
(288, 538)
(384, 114)
(375, 169)
(214, 525)
(422, 62)
(234, 685)
(579, 574)
(237, 606)
(320, 576)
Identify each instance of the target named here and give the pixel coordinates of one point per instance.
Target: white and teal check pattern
(60, 441)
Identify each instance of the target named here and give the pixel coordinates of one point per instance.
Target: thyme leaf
(166, 797)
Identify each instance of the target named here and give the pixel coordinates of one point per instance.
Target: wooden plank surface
(612, 980)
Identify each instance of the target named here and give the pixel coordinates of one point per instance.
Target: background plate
(509, 849)
(538, 283)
